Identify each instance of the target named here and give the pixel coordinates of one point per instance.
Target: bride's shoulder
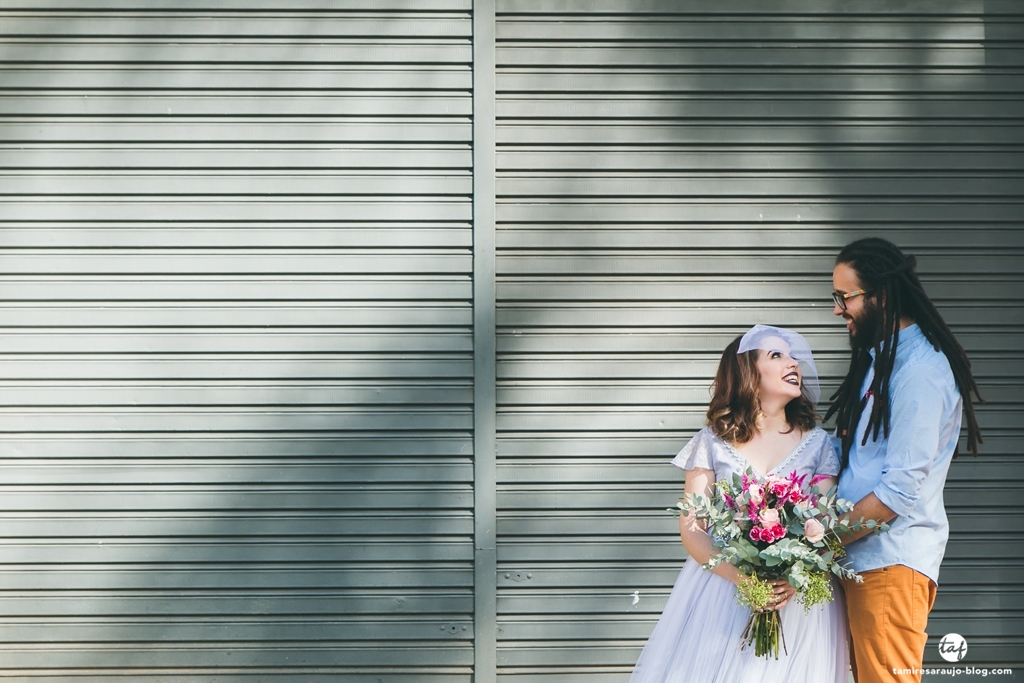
(699, 451)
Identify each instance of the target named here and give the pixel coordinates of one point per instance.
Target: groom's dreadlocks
(887, 274)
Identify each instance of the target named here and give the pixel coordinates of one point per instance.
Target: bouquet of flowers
(774, 528)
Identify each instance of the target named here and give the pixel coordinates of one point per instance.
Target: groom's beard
(866, 329)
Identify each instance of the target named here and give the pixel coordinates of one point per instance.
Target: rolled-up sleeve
(918, 396)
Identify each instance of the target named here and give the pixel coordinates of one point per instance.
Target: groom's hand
(869, 507)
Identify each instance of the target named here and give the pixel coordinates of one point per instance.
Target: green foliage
(754, 593)
(816, 591)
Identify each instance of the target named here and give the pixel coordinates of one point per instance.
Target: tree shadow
(237, 341)
(665, 181)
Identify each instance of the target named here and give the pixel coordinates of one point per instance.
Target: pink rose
(756, 492)
(769, 517)
(814, 531)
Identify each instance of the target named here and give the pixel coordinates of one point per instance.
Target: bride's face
(780, 374)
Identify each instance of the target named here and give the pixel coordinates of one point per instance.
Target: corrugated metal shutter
(671, 173)
(236, 348)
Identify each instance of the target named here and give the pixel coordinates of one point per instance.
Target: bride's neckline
(792, 454)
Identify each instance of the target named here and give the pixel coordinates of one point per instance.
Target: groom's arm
(913, 442)
(868, 507)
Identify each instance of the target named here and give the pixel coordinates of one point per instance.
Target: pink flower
(756, 534)
(756, 492)
(769, 517)
(814, 531)
(777, 532)
(818, 478)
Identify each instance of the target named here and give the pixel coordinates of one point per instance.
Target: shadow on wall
(666, 181)
(236, 342)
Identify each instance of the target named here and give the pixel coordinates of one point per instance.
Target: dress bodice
(813, 455)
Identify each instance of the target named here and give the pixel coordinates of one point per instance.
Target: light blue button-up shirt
(907, 471)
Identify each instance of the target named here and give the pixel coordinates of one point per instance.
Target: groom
(898, 414)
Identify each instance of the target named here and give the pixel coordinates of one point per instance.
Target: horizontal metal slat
(597, 470)
(314, 6)
(247, 367)
(194, 395)
(675, 56)
(237, 236)
(838, 29)
(739, 316)
(700, 287)
(687, 262)
(249, 314)
(294, 447)
(798, 81)
(678, 367)
(235, 419)
(226, 288)
(784, 211)
(921, 241)
(208, 469)
(223, 262)
(664, 495)
(599, 550)
(221, 576)
(142, 130)
(427, 659)
(205, 183)
(818, 135)
(236, 496)
(521, 527)
(338, 210)
(713, 186)
(437, 659)
(240, 525)
(200, 78)
(648, 340)
(135, 49)
(214, 340)
(135, 24)
(188, 631)
(614, 419)
(292, 154)
(352, 551)
(115, 603)
(763, 156)
(830, 10)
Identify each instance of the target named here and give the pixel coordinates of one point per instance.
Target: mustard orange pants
(888, 614)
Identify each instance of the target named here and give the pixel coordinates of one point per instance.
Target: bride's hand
(783, 592)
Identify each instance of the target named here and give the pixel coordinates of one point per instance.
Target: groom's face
(863, 319)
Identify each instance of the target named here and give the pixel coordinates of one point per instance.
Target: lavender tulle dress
(698, 636)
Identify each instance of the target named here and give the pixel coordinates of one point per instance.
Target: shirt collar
(909, 336)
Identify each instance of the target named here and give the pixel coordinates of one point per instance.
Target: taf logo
(952, 647)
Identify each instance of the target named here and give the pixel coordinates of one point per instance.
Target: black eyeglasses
(840, 298)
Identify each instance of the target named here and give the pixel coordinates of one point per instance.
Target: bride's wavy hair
(735, 401)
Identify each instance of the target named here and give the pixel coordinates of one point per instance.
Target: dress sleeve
(697, 453)
(828, 461)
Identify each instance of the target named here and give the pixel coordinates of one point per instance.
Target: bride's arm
(694, 533)
(825, 485)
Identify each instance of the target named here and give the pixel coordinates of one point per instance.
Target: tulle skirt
(697, 639)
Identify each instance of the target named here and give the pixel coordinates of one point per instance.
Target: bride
(761, 416)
